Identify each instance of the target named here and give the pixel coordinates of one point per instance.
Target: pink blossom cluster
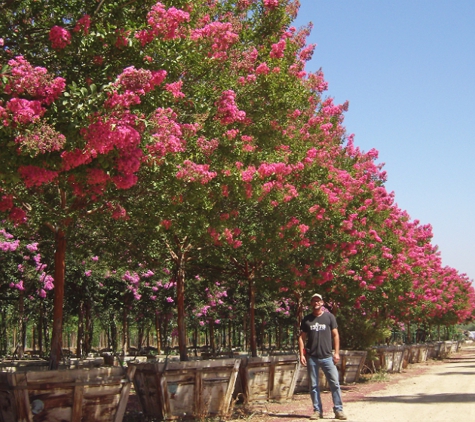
(166, 23)
(316, 81)
(214, 301)
(60, 37)
(228, 111)
(83, 24)
(219, 34)
(262, 69)
(277, 49)
(271, 4)
(24, 79)
(229, 236)
(40, 139)
(23, 111)
(207, 146)
(139, 81)
(175, 89)
(192, 172)
(166, 133)
(31, 269)
(133, 280)
(36, 176)
(8, 245)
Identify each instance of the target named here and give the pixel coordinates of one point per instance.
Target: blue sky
(407, 68)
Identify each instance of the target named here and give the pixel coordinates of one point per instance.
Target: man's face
(316, 303)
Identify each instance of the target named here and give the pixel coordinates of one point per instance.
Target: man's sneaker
(316, 416)
(340, 415)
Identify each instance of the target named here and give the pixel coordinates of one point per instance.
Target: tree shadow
(288, 415)
(425, 398)
(457, 373)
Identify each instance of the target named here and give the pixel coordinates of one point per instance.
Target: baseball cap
(317, 295)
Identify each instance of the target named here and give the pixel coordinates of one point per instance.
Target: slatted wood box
(69, 395)
(389, 358)
(349, 370)
(193, 389)
(267, 378)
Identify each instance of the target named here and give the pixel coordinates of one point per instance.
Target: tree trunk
(179, 258)
(211, 337)
(89, 328)
(252, 318)
(41, 328)
(20, 346)
(59, 275)
(157, 329)
(79, 345)
(180, 290)
(125, 331)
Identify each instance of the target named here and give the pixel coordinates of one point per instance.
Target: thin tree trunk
(89, 328)
(211, 337)
(58, 301)
(125, 331)
(179, 259)
(180, 289)
(158, 331)
(79, 343)
(252, 317)
(20, 346)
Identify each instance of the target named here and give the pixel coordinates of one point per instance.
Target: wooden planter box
(349, 370)
(423, 353)
(407, 356)
(442, 349)
(65, 395)
(350, 365)
(267, 378)
(193, 389)
(389, 358)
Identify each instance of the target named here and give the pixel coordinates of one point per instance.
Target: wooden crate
(350, 365)
(389, 358)
(267, 378)
(70, 395)
(349, 371)
(193, 389)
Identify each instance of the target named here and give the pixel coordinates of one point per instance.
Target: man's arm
(302, 341)
(336, 345)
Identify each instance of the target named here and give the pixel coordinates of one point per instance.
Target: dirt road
(436, 391)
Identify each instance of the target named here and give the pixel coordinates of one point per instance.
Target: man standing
(315, 345)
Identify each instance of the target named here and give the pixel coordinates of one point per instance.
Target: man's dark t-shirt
(319, 337)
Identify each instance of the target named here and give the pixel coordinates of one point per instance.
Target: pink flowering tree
(26, 280)
(194, 127)
(148, 90)
(90, 101)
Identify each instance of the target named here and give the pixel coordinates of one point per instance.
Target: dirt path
(433, 391)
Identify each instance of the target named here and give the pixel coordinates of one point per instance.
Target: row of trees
(176, 159)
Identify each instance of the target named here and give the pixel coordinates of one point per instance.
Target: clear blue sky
(407, 68)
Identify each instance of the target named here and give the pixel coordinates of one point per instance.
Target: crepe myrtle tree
(234, 144)
(26, 279)
(92, 92)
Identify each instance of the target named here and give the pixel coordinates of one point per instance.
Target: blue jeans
(331, 372)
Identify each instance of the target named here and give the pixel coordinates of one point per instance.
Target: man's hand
(336, 358)
(303, 359)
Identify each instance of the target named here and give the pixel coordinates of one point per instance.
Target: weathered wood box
(389, 358)
(70, 395)
(193, 389)
(349, 370)
(267, 378)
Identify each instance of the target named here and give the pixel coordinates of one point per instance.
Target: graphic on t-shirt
(318, 327)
